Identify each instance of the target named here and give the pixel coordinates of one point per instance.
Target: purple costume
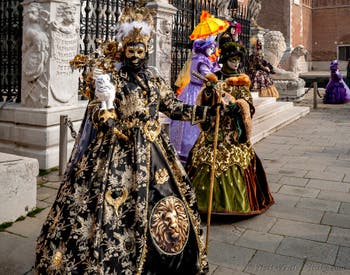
(183, 134)
(336, 90)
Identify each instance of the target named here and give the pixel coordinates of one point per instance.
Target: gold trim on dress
(152, 129)
(57, 259)
(161, 176)
(118, 201)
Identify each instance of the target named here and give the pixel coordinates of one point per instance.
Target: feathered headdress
(135, 25)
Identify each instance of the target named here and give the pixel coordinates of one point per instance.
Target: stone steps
(271, 115)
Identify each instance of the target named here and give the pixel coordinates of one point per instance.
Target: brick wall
(274, 15)
(331, 27)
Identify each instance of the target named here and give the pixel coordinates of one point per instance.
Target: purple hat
(200, 45)
(334, 65)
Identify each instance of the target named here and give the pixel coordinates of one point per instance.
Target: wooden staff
(212, 171)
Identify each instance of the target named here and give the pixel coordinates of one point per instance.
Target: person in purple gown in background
(337, 91)
(182, 133)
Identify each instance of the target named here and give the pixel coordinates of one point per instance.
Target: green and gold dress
(240, 185)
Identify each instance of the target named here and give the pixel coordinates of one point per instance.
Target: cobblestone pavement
(307, 231)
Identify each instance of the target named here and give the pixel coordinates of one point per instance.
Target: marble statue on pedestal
(287, 82)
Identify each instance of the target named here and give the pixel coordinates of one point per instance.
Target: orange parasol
(208, 25)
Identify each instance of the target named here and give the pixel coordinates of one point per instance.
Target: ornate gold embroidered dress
(126, 205)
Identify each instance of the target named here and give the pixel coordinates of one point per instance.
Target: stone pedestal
(17, 185)
(34, 132)
(290, 90)
(161, 56)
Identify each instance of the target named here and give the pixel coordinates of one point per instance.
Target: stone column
(161, 56)
(49, 86)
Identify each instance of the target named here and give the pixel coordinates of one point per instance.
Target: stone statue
(254, 8)
(275, 46)
(35, 53)
(287, 82)
(222, 8)
(296, 61)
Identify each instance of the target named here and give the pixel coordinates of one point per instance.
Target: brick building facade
(322, 26)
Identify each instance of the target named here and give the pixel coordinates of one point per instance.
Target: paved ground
(307, 231)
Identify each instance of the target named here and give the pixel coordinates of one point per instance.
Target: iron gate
(10, 50)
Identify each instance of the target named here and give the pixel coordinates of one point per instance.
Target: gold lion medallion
(169, 225)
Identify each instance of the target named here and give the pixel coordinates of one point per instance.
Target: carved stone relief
(48, 46)
(35, 54)
(64, 47)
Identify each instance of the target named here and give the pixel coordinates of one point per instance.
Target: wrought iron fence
(98, 20)
(10, 50)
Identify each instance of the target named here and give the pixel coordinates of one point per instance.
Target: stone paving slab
(343, 258)
(295, 181)
(338, 220)
(265, 263)
(339, 236)
(329, 185)
(273, 178)
(46, 194)
(229, 256)
(314, 251)
(299, 191)
(295, 214)
(314, 268)
(29, 228)
(304, 230)
(225, 233)
(274, 187)
(259, 240)
(227, 271)
(17, 254)
(285, 201)
(323, 205)
(261, 223)
(334, 196)
(344, 208)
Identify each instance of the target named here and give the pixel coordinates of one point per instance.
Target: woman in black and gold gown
(126, 205)
(240, 184)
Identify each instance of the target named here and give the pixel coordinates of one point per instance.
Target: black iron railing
(10, 50)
